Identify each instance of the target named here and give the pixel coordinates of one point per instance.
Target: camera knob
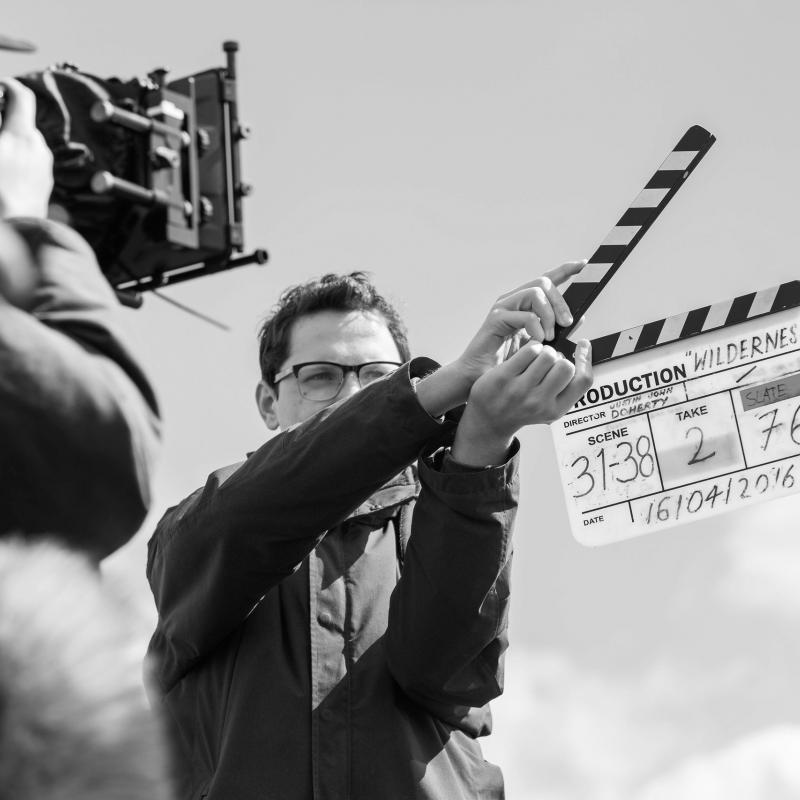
(206, 209)
(203, 140)
(165, 157)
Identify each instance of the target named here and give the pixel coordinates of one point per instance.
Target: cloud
(564, 732)
(761, 766)
(763, 552)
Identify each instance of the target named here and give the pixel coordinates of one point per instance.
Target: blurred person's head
(74, 724)
(316, 332)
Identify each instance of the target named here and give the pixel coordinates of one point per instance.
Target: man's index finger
(565, 271)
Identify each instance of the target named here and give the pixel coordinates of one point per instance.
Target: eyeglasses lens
(323, 381)
(320, 381)
(374, 372)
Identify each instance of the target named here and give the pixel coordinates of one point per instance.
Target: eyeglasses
(323, 380)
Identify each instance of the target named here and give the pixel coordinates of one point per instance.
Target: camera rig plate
(148, 170)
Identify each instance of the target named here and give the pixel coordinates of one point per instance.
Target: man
(315, 640)
(78, 419)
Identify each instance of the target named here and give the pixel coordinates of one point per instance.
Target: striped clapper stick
(633, 224)
(693, 323)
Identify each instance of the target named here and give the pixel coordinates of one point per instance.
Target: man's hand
(536, 385)
(26, 163)
(529, 312)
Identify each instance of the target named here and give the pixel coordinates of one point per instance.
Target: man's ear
(267, 402)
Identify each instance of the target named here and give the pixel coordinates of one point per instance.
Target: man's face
(343, 337)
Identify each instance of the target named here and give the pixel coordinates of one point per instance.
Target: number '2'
(697, 458)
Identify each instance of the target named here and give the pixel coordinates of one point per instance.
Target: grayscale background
(457, 148)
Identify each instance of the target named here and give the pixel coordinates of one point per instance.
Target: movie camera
(148, 171)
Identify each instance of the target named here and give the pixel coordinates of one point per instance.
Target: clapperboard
(689, 416)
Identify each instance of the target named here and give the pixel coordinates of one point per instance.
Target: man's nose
(349, 387)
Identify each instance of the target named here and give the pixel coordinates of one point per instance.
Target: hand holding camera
(26, 181)
(26, 163)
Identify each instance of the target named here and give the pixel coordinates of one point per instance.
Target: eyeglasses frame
(346, 368)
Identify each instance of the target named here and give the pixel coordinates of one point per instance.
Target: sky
(456, 149)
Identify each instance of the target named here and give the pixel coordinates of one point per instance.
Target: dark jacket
(78, 419)
(293, 658)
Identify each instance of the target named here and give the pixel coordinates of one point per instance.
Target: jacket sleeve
(78, 419)
(214, 557)
(448, 614)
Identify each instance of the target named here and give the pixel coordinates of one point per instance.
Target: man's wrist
(443, 390)
(477, 444)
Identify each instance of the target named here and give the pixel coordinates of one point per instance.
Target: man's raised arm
(218, 553)
(214, 557)
(449, 612)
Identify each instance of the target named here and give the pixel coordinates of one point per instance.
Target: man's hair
(74, 723)
(331, 292)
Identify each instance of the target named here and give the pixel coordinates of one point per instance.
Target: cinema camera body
(148, 171)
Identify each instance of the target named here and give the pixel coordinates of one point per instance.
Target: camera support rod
(106, 183)
(106, 111)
